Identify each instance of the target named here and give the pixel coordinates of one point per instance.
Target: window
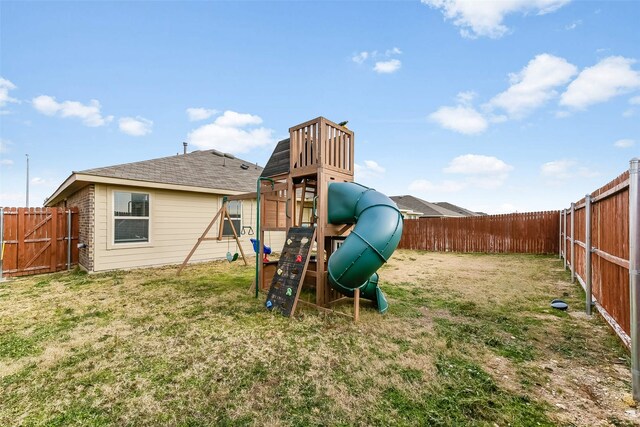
(130, 217)
(235, 212)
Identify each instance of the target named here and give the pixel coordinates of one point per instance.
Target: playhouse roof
(278, 163)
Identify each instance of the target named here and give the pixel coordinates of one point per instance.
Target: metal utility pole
(27, 179)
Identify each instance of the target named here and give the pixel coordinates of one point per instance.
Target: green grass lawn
(467, 340)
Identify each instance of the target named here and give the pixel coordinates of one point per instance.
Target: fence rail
(531, 232)
(37, 240)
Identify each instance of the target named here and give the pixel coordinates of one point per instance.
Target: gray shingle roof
(428, 209)
(206, 168)
(460, 210)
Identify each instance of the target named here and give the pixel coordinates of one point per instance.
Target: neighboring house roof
(460, 210)
(203, 171)
(278, 163)
(428, 209)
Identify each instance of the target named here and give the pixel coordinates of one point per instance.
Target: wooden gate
(36, 240)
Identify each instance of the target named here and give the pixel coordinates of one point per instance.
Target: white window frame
(114, 218)
(239, 218)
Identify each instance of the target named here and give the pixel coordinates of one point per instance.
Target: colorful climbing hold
(289, 292)
(298, 258)
(269, 304)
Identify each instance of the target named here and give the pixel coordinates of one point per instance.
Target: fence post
(1, 242)
(69, 239)
(572, 240)
(634, 264)
(564, 240)
(560, 237)
(587, 253)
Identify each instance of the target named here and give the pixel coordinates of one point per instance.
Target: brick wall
(84, 200)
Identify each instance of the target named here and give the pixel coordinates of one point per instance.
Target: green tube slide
(371, 242)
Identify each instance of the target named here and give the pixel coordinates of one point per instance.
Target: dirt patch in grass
(467, 340)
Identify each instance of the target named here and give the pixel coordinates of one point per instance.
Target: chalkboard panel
(287, 280)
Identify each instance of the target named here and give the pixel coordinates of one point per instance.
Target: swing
(232, 257)
(250, 231)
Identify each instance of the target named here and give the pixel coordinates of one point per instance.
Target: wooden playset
(293, 196)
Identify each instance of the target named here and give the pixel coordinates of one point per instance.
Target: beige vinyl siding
(177, 219)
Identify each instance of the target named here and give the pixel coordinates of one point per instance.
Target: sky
(496, 106)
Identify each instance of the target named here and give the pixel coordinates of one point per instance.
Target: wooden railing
(321, 143)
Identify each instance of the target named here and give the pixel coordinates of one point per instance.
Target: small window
(235, 212)
(130, 217)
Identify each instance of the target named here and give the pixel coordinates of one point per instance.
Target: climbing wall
(292, 266)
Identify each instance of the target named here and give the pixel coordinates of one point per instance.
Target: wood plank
(20, 234)
(610, 192)
(611, 258)
(56, 228)
(200, 240)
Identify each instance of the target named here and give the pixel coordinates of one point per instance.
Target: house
(460, 210)
(413, 205)
(152, 212)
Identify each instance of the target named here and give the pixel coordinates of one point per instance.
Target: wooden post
(573, 239)
(22, 253)
(564, 240)
(200, 240)
(356, 305)
(54, 232)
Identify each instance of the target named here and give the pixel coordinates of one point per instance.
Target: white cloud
(12, 199)
(370, 169)
(89, 114)
(573, 25)
(387, 67)
(359, 58)
(466, 98)
(461, 119)
(394, 51)
(560, 170)
(233, 119)
(478, 172)
(138, 126)
(635, 100)
(610, 77)
(4, 145)
(485, 18)
(384, 65)
(196, 114)
(534, 85)
(477, 164)
(5, 87)
(624, 143)
(446, 186)
(38, 181)
(6, 162)
(232, 133)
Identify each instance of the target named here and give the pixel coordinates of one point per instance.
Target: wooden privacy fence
(531, 232)
(38, 240)
(595, 246)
